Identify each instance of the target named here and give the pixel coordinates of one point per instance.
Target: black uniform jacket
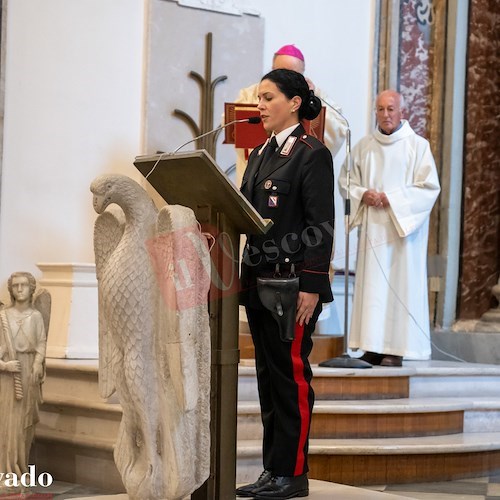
(295, 191)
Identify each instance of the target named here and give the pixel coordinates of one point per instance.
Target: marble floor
(484, 488)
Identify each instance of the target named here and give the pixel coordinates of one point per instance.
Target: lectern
(193, 179)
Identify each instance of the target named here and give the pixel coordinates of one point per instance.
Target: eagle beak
(100, 203)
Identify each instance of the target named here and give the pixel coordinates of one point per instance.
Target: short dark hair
(294, 84)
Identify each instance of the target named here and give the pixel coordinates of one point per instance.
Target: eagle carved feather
(154, 337)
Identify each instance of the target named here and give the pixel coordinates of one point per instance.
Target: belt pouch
(279, 295)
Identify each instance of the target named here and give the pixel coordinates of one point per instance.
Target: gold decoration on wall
(207, 87)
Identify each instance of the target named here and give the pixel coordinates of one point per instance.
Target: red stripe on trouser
(302, 396)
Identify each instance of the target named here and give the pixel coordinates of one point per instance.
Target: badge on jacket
(272, 201)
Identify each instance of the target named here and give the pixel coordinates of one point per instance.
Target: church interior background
(88, 85)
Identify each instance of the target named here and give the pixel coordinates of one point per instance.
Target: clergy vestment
(390, 311)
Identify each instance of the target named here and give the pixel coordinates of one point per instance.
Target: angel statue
(23, 341)
(153, 272)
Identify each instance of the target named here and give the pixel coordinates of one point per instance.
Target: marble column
(480, 259)
(422, 28)
(490, 320)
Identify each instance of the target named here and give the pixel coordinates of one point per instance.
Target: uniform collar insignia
(288, 146)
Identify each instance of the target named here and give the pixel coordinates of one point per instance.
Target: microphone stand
(216, 131)
(345, 360)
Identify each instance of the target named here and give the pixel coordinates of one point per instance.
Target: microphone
(252, 119)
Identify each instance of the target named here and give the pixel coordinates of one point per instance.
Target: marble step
(77, 458)
(324, 347)
(339, 383)
(78, 427)
(464, 442)
(76, 378)
(387, 418)
(75, 437)
(85, 421)
(392, 460)
(415, 379)
(71, 427)
(453, 379)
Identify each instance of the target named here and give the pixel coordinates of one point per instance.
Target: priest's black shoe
(248, 489)
(284, 487)
(374, 358)
(390, 360)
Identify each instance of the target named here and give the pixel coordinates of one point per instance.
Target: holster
(279, 295)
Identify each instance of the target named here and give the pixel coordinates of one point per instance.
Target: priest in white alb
(393, 187)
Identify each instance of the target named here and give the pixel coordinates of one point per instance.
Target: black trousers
(286, 396)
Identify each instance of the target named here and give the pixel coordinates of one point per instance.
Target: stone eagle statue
(153, 272)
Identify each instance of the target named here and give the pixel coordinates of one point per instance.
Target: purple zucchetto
(290, 50)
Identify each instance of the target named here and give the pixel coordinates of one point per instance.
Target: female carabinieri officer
(289, 180)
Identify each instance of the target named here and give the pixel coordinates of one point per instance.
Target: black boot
(247, 490)
(284, 487)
